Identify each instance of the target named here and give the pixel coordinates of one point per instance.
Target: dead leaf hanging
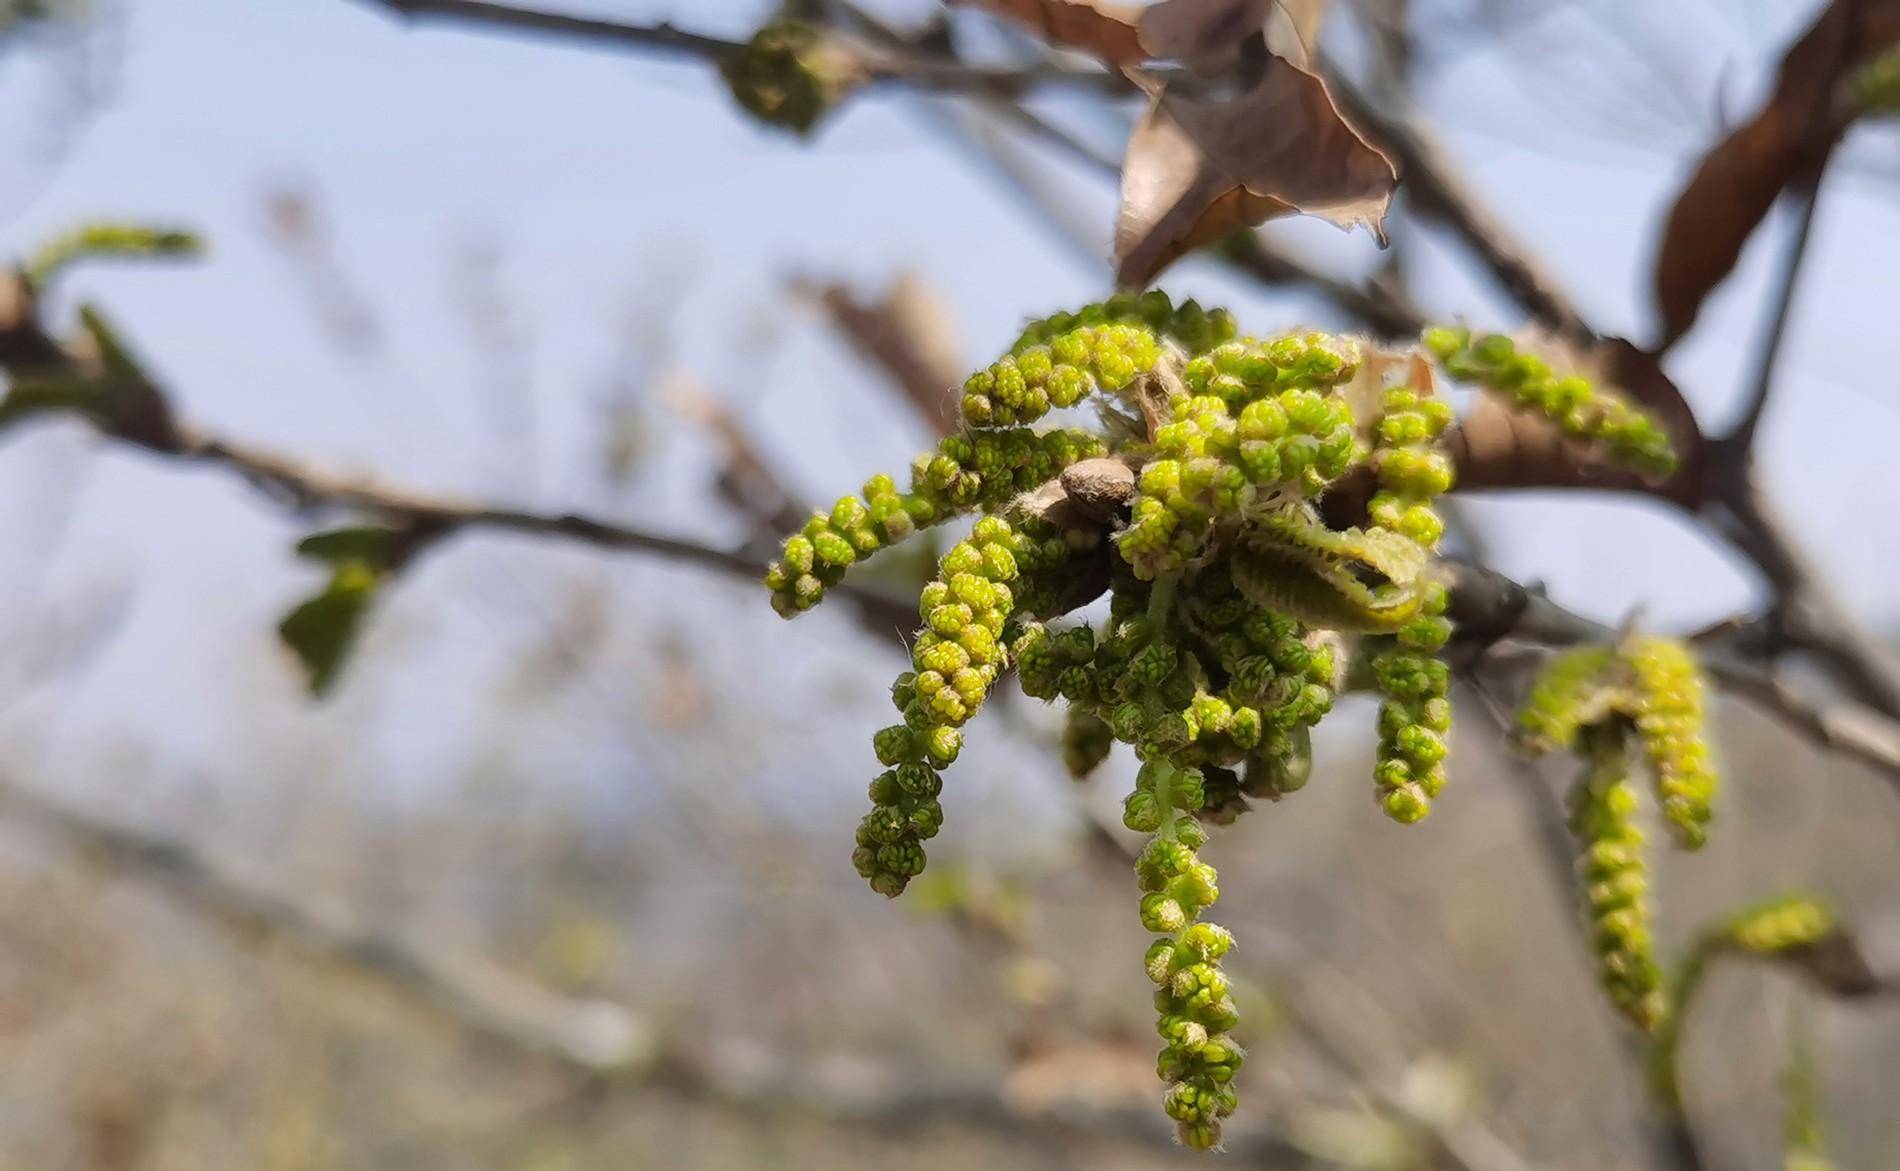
(1203, 34)
(1207, 35)
(1787, 141)
(1105, 29)
(1199, 168)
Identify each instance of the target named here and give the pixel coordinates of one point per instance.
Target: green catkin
(956, 657)
(1415, 714)
(1198, 1059)
(1666, 704)
(1232, 604)
(1785, 923)
(1191, 327)
(1086, 740)
(1615, 877)
(1571, 691)
(1412, 471)
(1654, 685)
(971, 471)
(1579, 409)
(1022, 387)
(105, 241)
(1601, 702)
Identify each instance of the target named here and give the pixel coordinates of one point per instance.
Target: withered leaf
(1107, 30)
(1788, 140)
(1199, 168)
(1207, 34)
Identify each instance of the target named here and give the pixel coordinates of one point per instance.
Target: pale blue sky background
(609, 185)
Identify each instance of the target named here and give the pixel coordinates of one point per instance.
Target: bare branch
(663, 37)
(1844, 728)
(876, 64)
(1489, 608)
(593, 1037)
(597, 1040)
(1741, 439)
(1434, 188)
(899, 335)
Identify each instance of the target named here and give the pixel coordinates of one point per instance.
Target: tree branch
(1431, 182)
(597, 1040)
(876, 64)
(591, 1036)
(1741, 439)
(663, 37)
(1488, 608)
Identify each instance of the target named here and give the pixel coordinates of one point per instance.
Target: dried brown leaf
(1199, 168)
(1788, 140)
(1208, 34)
(1107, 30)
(1293, 28)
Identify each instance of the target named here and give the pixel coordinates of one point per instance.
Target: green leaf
(114, 357)
(322, 631)
(372, 545)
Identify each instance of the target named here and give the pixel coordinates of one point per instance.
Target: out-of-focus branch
(133, 411)
(593, 1036)
(1717, 481)
(1490, 608)
(1742, 437)
(304, 486)
(874, 63)
(1464, 1143)
(747, 480)
(1848, 729)
(598, 1040)
(1803, 616)
(1436, 190)
(660, 37)
(903, 335)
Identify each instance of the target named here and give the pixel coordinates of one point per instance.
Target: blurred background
(556, 876)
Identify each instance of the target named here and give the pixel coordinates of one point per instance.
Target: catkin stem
(1164, 795)
(1161, 603)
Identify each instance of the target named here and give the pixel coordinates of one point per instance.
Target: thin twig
(305, 486)
(591, 1036)
(1742, 437)
(1433, 186)
(876, 65)
(662, 36)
